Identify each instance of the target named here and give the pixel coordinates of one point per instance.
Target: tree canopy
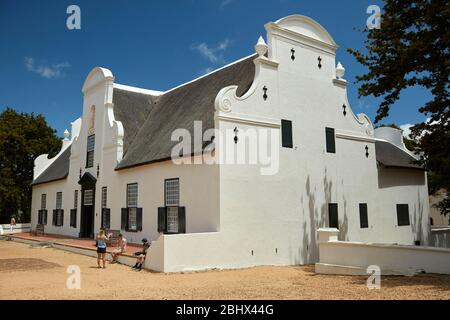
(23, 137)
(411, 48)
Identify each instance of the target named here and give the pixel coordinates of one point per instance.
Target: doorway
(87, 217)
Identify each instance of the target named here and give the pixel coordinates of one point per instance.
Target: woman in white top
(11, 227)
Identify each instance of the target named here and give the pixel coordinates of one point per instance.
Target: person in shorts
(121, 248)
(140, 256)
(101, 248)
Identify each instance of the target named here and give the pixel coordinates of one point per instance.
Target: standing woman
(101, 248)
(11, 227)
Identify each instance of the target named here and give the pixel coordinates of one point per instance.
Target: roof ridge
(155, 93)
(209, 73)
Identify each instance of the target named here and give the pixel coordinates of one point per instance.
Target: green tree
(412, 49)
(23, 137)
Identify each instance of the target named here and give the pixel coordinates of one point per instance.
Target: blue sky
(156, 44)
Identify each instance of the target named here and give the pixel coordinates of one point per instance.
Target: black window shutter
(333, 215)
(103, 218)
(331, 144)
(39, 216)
(45, 217)
(54, 217)
(286, 134)
(61, 212)
(73, 218)
(124, 219)
(402, 215)
(162, 219)
(363, 218)
(182, 220)
(108, 218)
(139, 219)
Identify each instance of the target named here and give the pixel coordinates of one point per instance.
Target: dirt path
(40, 273)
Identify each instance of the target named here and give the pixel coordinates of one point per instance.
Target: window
(172, 192)
(363, 218)
(104, 195)
(90, 151)
(132, 215)
(106, 213)
(59, 200)
(402, 215)
(73, 212)
(172, 219)
(42, 214)
(43, 201)
(88, 198)
(286, 134)
(330, 137)
(333, 218)
(73, 218)
(132, 219)
(58, 213)
(75, 199)
(132, 195)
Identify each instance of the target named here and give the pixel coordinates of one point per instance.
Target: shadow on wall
(390, 177)
(420, 231)
(310, 249)
(343, 224)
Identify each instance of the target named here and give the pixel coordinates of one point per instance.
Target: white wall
(340, 257)
(18, 228)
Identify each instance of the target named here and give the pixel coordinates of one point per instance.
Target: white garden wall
(343, 257)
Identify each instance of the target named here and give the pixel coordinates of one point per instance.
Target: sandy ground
(40, 273)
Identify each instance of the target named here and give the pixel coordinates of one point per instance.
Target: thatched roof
(390, 155)
(150, 140)
(58, 170)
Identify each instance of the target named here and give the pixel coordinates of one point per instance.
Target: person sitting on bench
(140, 256)
(121, 248)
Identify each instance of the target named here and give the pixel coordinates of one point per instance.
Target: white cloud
(49, 72)
(207, 70)
(214, 55)
(406, 129)
(225, 3)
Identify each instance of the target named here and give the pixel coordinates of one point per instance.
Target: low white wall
(205, 251)
(18, 228)
(440, 237)
(342, 257)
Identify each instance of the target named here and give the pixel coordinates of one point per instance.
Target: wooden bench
(39, 229)
(113, 236)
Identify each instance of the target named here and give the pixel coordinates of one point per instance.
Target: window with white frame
(172, 192)
(132, 202)
(75, 199)
(88, 197)
(104, 197)
(43, 201)
(59, 200)
(132, 195)
(90, 151)
(172, 219)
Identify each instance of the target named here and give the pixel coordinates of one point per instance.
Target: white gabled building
(334, 169)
